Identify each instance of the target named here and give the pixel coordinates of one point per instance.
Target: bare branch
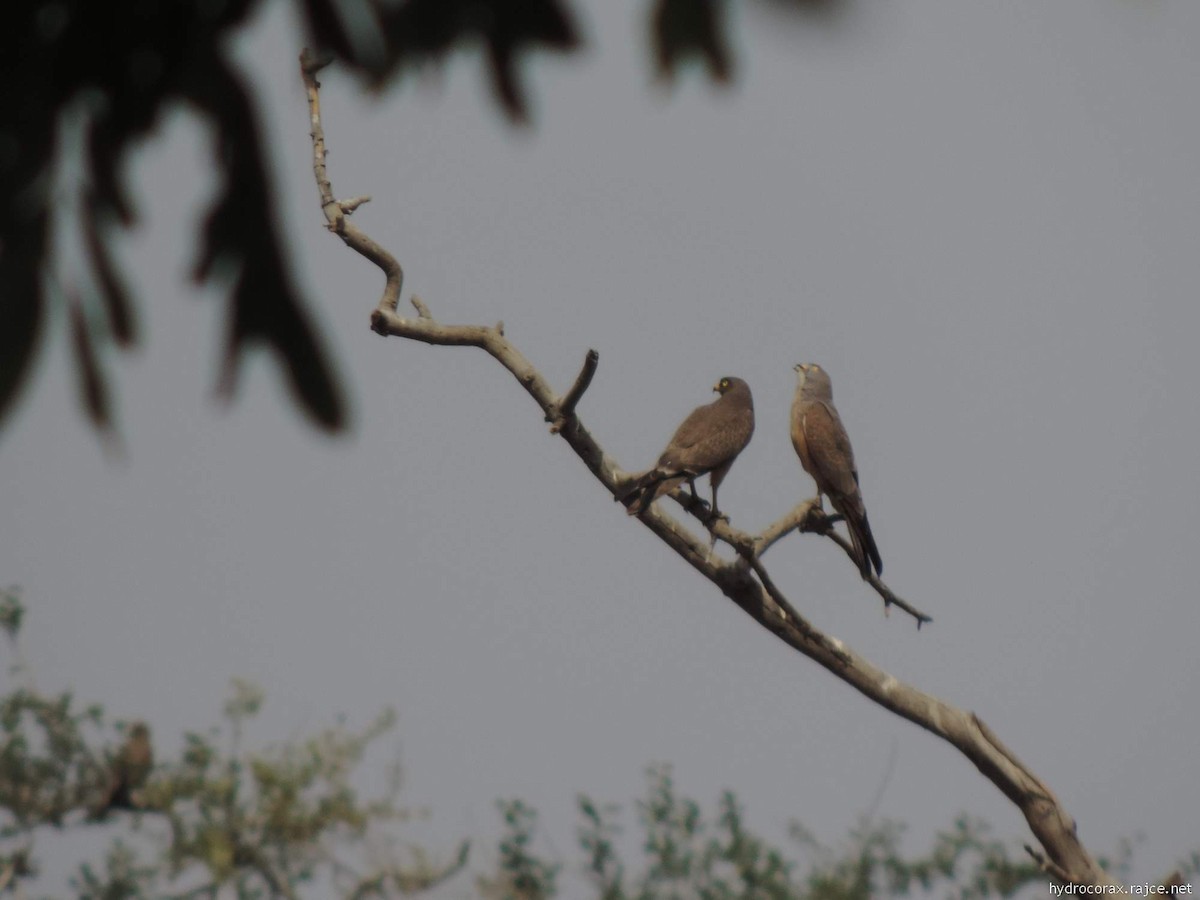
(349, 206)
(784, 526)
(744, 581)
(890, 598)
(808, 516)
(335, 214)
(566, 409)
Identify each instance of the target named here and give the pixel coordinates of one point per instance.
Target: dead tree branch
(809, 517)
(566, 410)
(744, 580)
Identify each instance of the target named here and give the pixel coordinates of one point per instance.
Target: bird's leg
(715, 513)
(696, 498)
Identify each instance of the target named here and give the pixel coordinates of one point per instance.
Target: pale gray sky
(980, 218)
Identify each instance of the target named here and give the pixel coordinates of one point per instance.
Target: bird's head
(727, 384)
(813, 381)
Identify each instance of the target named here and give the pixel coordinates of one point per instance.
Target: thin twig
(349, 206)
(783, 526)
(335, 215)
(890, 598)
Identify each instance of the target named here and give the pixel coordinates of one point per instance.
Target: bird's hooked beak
(717, 388)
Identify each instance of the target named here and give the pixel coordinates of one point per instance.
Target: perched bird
(823, 446)
(709, 440)
(129, 772)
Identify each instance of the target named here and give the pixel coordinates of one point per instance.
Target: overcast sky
(981, 219)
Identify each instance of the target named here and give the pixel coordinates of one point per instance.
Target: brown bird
(823, 446)
(130, 770)
(708, 441)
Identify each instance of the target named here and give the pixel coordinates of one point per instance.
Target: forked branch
(744, 579)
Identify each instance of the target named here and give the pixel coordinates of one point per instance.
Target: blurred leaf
(245, 701)
(93, 388)
(350, 30)
(20, 332)
(428, 29)
(240, 236)
(683, 30)
(12, 611)
(815, 8)
(113, 292)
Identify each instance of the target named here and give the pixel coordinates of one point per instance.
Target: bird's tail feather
(866, 553)
(631, 485)
(646, 490)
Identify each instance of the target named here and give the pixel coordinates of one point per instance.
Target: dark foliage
(107, 72)
(113, 69)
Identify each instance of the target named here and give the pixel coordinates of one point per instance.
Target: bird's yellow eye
(724, 383)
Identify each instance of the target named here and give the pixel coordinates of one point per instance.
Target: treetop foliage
(290, 821)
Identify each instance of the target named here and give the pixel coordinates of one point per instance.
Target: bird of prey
(708, 441)
(129, 772)
(823, 446)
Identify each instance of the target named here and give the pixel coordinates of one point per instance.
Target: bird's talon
(814, 518)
